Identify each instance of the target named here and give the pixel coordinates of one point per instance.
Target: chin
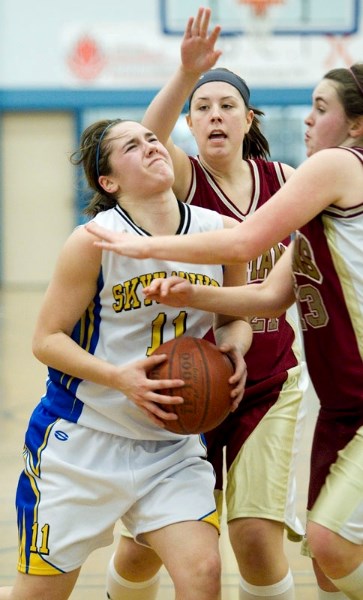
(309, 151)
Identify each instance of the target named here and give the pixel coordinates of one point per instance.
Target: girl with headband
(96, 448)
(232, 176)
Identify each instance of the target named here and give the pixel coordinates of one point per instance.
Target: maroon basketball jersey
(271, 352)
(328, 273)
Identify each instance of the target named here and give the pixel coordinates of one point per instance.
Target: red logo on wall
(87, 59)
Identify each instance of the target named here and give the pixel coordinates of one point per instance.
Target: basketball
(205, 371)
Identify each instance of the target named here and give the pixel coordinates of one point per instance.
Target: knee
(135, 562)
(321, 541)
(204, 574)
(207, 566)
(331, 551)
(251, 538)
(208, 573)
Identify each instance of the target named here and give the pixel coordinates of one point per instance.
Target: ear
(189, 123)
(108, 184)
(249, 120)
(356, 127)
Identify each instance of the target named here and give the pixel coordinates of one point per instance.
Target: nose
(215, 113)
(308, 119)
(151, 147)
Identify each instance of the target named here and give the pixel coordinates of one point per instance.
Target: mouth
(156, 159)
(217, 134)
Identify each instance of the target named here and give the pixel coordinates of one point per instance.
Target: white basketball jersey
(121, 326)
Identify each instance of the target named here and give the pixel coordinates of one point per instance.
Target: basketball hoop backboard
(294, 17)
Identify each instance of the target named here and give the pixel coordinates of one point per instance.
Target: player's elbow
(40, 347)
(37, 348)
(274, 300)
(242, 247)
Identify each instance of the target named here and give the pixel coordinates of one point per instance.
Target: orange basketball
(205, 371)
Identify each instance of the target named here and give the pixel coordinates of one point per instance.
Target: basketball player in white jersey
(96, 448)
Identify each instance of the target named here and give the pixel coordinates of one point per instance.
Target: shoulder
(330, 176)
(271, 177)
(79, 251)
(274, 172)
(287, 170)
(332, 161)
(108, 218)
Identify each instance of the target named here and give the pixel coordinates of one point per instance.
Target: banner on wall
(135, 55)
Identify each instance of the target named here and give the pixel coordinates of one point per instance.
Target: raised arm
(198, 54)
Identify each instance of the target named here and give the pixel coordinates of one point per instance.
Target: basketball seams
(205, 371)
(207, 379)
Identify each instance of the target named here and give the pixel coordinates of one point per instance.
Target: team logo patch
(61, 435)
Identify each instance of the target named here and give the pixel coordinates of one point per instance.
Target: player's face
(327, 123)
(219, 119)
(138, 160)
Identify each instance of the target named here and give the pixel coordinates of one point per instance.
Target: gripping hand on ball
(148, 393)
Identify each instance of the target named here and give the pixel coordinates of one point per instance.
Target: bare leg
(336, 556)
(135, 562)
(339, 559)
(258, 547)
(133, 572)
(45, 587)
(190, 553)
(324, 582)
(259, 551)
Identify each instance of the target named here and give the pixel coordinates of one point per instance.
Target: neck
(228, 169)
(350, 141)
(158, 214)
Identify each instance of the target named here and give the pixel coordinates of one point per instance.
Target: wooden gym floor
(22, 381)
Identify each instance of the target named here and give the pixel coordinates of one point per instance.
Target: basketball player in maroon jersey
(233, 177)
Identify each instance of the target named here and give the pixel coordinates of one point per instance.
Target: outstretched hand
(173, 291)
(119, 242)
(197, 48)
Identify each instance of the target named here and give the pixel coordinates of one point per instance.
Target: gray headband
(226, 76)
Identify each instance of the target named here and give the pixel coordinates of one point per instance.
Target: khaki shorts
(339, 506)
(261, 481)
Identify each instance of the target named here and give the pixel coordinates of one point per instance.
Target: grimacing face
(139, 162)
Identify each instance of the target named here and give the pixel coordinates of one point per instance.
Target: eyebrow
(222, 98)
(320, 99)
(134, 139)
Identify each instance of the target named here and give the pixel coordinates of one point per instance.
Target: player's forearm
(241, 301)
(163, 112)
(213, 247)
(58, 351)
